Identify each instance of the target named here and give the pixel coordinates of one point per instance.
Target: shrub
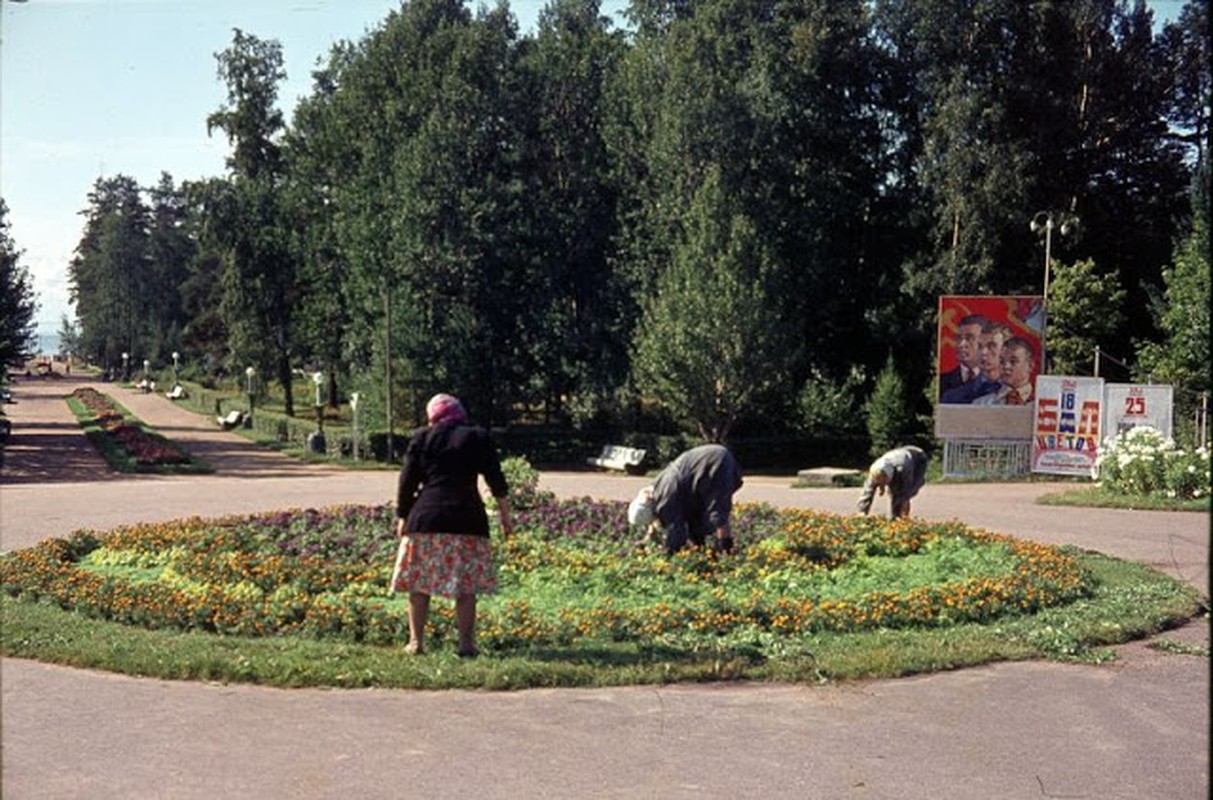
(524, 484)
(1141, 461)
(888, 413)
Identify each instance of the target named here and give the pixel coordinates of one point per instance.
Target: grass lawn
(1100, 497)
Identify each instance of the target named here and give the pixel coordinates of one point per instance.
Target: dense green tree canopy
(714, 216)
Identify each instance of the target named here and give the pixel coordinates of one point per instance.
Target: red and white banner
(1067, 427)
(1127, 405)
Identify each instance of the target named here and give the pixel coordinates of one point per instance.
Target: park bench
(176, 393)
(232, 420)
(613, 456)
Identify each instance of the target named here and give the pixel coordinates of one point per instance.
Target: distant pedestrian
(903, 471)
(692, 498)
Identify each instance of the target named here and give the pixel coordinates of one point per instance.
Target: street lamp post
(147, 377)
(318, 379)
(126, 358)
(250, 374)
(355, 401)
(315, 441)
(176, 357)
(1046, 222)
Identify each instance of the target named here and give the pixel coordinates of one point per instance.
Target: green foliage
(17, 301)
(259, 283)
(1182, 358)
(69, 336)
(534, 221)
(890, 419)
(1141, 461)
(523, 480)
(1084, 312)
(709, 344)
(1100, 496)
(830, 408)
(109, 274)
(571, 210)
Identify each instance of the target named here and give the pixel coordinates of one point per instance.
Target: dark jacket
(695, 491)
(953, 379)
(438, 490)
(968, 392)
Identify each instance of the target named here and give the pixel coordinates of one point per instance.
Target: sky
(98, 88)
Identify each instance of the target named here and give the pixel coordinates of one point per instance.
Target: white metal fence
(986, 458)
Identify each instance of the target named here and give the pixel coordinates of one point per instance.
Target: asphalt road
(1135, 728)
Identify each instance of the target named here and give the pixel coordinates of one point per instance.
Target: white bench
(625, 459)
(176, 393)
(232, 420)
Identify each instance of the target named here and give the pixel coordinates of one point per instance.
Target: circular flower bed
(573, 573)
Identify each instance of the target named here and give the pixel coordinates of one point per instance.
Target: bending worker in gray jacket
(692, 498)
(903, 470)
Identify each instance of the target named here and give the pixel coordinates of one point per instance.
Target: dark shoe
(468, 652)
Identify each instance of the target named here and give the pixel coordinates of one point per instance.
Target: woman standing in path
(442, 522)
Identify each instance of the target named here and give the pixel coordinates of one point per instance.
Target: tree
(170, 252)
(18, 304)
(781, 99)
(259, 286)
(69, 337)
(890, 418)
(110, 276)
(1085, 312)
(459, 217)
(1182, 358)
(313, 154)
(1013, 108)
(381, 98)
(571, 218)
(204, 334)
(1185, 52)
(711, 341)
(951, 89)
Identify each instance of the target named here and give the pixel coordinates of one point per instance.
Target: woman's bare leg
(465, 621)
(419, 609)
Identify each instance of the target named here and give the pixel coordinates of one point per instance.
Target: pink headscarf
(445, 408)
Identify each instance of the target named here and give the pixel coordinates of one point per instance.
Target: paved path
(1137, 728)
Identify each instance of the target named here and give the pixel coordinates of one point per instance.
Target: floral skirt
(447, 564)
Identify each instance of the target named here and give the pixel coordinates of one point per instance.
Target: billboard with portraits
(990, 350)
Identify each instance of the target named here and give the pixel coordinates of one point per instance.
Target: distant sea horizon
(46, 344)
